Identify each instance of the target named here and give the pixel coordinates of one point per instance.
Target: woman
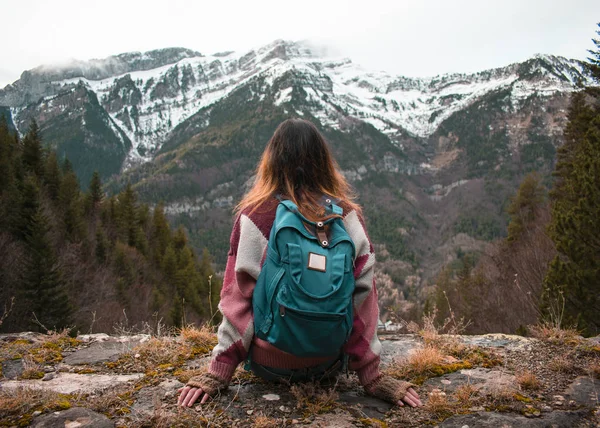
(297, 164)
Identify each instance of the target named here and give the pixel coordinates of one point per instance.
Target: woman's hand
(411, 398)
(188, 396)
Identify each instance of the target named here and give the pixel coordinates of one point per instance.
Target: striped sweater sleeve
(247, 248)
(363, 347)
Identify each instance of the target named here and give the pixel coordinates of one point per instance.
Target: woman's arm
(246, 254)
(363, 347)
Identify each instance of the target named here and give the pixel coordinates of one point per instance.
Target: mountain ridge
(393, 104)
(434, 160)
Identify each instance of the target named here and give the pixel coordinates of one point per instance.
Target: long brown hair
(298, 164)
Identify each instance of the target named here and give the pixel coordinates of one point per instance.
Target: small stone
(465, 426)
(557, 403)
(295, 421)
(271, 397)
(559, 397)
(137, 356)
(36, 413)
(249, 412)
(546, 408)
(446, 381)
(48, 369)
(48, 376)
(285, 409)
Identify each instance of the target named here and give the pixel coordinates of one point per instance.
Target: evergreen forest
(85, 260)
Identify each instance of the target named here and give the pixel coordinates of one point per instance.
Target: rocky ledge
(465, 381)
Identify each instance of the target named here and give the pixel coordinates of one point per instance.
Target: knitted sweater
(248, 245)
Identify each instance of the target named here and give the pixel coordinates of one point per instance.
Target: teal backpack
(302, 301)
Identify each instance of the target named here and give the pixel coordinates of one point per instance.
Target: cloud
(410, 37)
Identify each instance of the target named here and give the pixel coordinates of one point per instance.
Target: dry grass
(528, 381)
(425, 363)
(313, 398)
(17, 405)
(42, 348)
(439, 405)
(262, 421)
(443, 351)
(555, 334)
(561, 364)
(182, 418)
(203, 337)
(465, 394)
(442, 405)
(112, 402)
(31, 369)
(162, 353)
(501, 394)
(425, 359)
(439, 336)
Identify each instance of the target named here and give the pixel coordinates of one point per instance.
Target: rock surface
(12, 369)
(558, 419)
(584, 391)
(72, 383)
(99, 352)
(73, 418)
(113, 375)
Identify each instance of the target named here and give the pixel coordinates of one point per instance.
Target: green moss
(372, 422)
(437, 370)
(522, 398)
(32, 374)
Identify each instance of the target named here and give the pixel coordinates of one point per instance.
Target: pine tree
(594, 60)
(32, 150)
(70, 201)
(177, 310)
(52, 175)
(127, 218)
(160, 234)
(29, 203)
(5, 155)
(10, 185)
(95, 194)
(525, 205)
(574, 275)
(43, 284)
(102, 246)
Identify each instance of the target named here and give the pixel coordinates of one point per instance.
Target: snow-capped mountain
(147, 95)
(434, 160)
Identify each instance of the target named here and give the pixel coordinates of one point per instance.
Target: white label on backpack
(317, 262)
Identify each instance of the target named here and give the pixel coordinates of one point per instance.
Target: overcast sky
(406, 37)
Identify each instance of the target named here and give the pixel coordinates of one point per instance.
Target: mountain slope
(434, 160)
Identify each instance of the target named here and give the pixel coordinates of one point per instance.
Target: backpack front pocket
(307, 333)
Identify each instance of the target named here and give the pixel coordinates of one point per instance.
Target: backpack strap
(326, 201)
